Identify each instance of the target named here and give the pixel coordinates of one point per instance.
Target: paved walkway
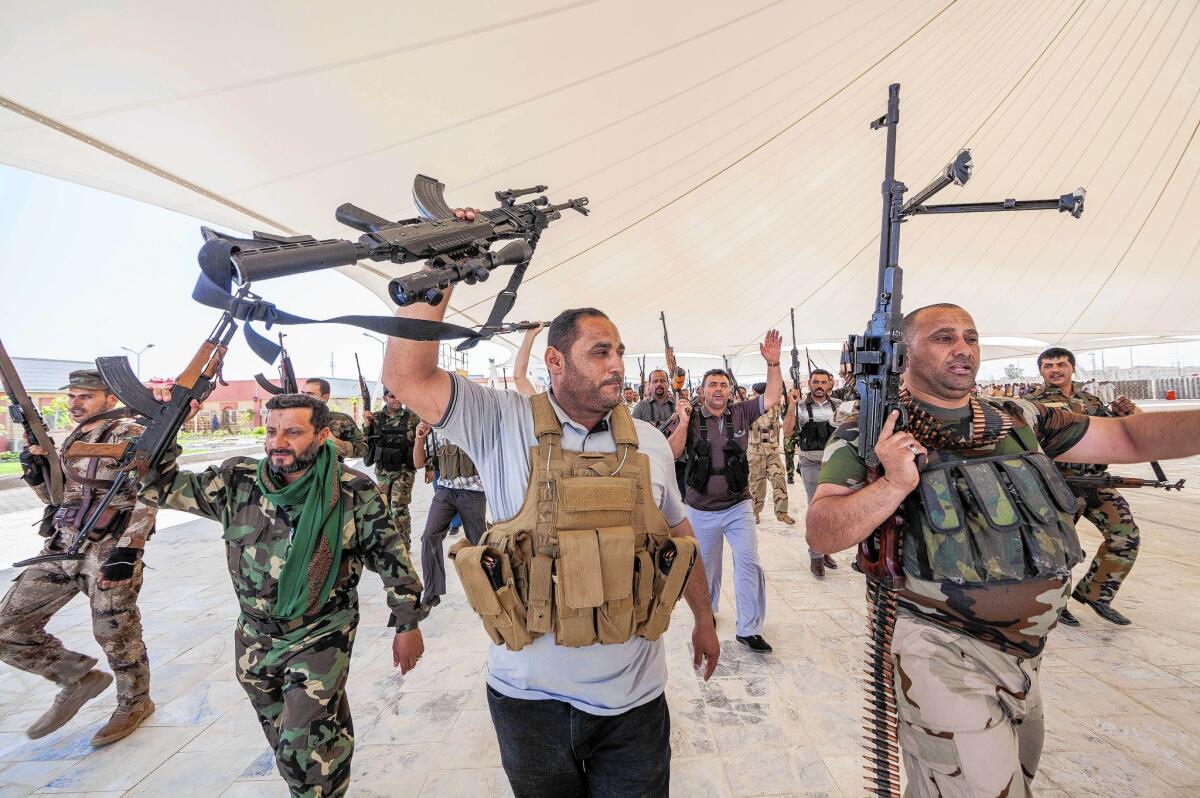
(1123, 705)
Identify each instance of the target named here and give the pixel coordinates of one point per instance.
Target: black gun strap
(214, 288)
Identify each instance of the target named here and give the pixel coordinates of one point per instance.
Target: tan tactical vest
(453, 462)
(589, 555)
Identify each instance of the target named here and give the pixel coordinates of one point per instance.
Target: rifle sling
(214, 289)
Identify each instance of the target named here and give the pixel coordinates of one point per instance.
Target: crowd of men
(606, 509)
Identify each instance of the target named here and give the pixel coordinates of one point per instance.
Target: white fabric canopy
(724, 146)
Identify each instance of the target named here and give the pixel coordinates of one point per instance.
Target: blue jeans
(552, 750)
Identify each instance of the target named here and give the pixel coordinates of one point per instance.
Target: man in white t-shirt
(570, 721)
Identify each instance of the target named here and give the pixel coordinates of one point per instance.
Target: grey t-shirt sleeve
(662, 472)
(483, 421)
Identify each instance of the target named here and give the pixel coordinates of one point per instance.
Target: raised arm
(770, 350)
(521, 365)
(1138, 438)
(412, 366)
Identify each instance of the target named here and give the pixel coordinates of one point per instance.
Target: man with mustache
(718, 497)
(989, 543)
(809, 425)
(110, 575)
(299, 529)
(576, 581)
(1107, 509)
(659, 410)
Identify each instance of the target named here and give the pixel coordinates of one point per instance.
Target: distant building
(242, 403)
(43, 379)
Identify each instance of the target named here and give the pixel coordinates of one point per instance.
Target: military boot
(1103, 609)
(68, 702)
(122, 723)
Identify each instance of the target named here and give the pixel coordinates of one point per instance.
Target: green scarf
(318, 495)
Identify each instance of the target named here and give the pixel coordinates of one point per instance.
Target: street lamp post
(138, 355)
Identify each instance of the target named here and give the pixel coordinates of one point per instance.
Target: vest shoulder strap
(545, 420)
(623, 429)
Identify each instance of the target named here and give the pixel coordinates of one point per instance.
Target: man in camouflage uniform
(968, 639)
(114, 552)
(1107, 509)
(347, 438)
(391, 433)
(765, 462)
(293, 638)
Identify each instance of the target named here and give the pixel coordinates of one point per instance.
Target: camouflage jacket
(349, 440)
(258, 534)
(1011, 617)
(764, 432)
(404, 420)
(1081, 402)
(78, 495)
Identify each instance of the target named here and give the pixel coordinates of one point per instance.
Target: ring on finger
(912, 447)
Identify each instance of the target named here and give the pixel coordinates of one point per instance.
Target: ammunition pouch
(393, 449)
(453, 463)
(814, 434)
(992, 520)
(589, 556)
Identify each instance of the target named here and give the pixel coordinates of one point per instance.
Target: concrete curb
(8, 483)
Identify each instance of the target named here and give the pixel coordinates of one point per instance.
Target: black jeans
(470, 506)
(551, 749)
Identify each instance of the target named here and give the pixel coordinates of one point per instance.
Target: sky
(84, 273)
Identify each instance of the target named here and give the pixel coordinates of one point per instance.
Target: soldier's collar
(603, 425)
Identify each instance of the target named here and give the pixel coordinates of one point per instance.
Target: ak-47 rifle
(164, 419)
(39, 469)
(1091, 482)
(878, 358)
(287, 374)
(795, 369)
(455, 250)
(641, 377)
(676, 374)
(362, 386)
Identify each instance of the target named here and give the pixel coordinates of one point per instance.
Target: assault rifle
(642, 377)
(362, 386)
(164, 420)
(39, 469)
(455, 250)
(795, 369)
(287, 374)
(676, 374)
(1091, 482)
(877, 358)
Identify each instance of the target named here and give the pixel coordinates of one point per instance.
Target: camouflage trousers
(297, 686)
(765, 466)
(397, 488)
(42, 590)
(970, 717)
(1110, 513)
(789, 455)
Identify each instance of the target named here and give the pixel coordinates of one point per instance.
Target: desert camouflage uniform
(1107, 509)
(294, 672)
(348, 438)
(765, 463)
(42, 590)
(966, 657)
(396, 485)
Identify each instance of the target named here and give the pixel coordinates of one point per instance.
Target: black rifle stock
(877, 359)
(41, 469)
(164, 420)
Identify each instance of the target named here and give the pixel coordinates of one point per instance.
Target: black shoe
(432, 601)
(755, 643)
(817, 566)
(829, 561)
(1104, 610)
(1067, 619)
(790, 480)
(854, 566)
(454, 530)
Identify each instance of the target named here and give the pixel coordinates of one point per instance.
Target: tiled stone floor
(1123, 705)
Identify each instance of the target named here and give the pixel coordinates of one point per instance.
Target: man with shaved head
(988, 549)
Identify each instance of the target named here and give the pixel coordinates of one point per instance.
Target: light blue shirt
(495, 428)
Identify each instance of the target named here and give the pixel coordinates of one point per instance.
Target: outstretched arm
(1138, 438)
